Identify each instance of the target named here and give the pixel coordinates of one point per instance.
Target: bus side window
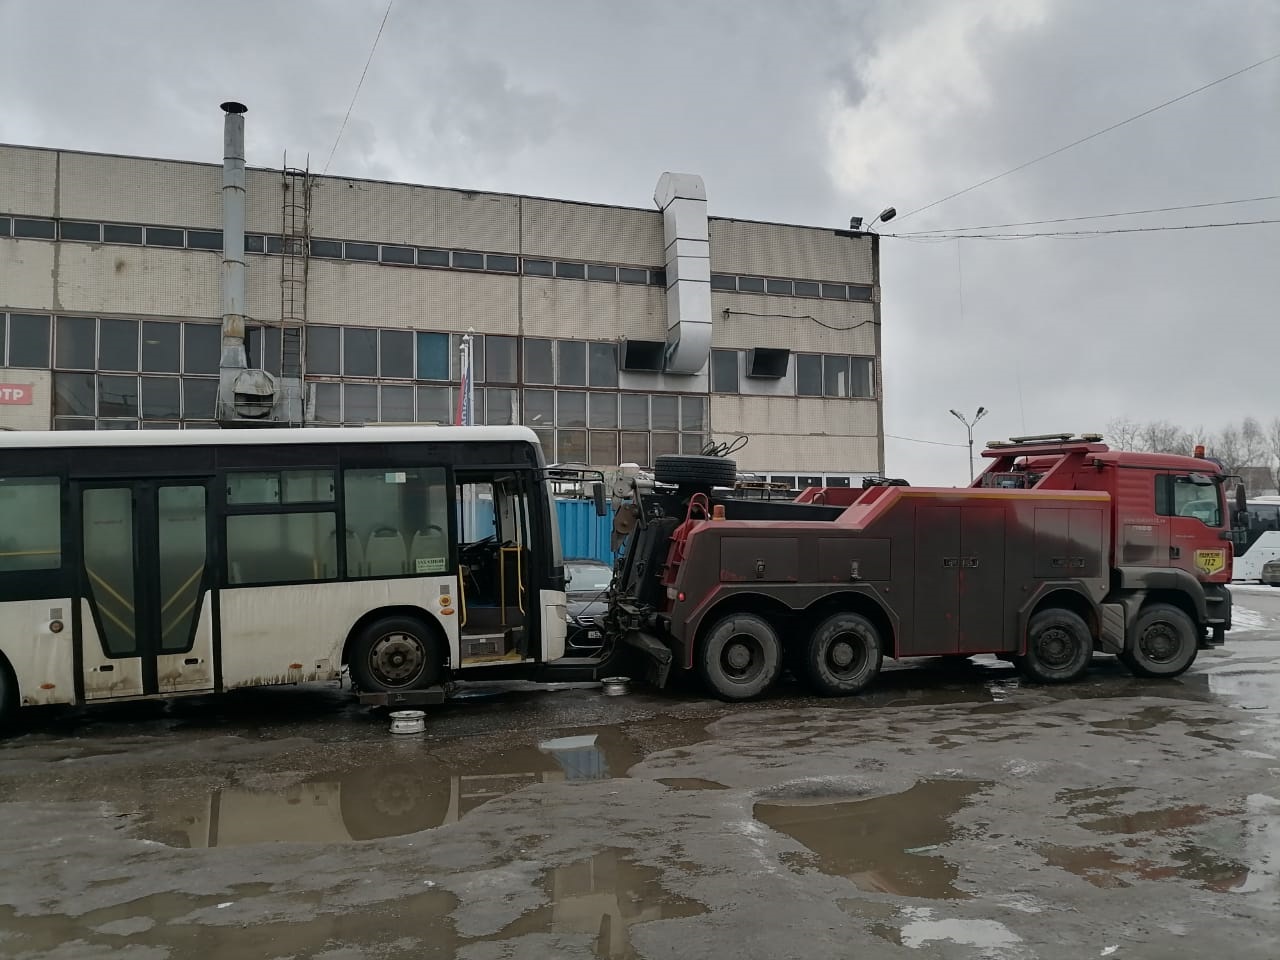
(30, 524)
(401, 518)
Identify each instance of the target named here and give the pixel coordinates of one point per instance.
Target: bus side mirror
(597, 494)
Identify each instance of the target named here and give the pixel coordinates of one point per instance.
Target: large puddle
(590, 906)
(884, 844)
(409, 788)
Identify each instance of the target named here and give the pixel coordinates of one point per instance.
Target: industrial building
(617, 333)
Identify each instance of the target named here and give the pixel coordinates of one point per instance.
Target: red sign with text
(15, 393)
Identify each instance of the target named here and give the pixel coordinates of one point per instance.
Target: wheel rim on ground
(397, 659)
(743, 658)
(845, 656)
(1160, 643)
(1055, 647)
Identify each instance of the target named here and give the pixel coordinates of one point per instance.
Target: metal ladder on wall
(295, 260)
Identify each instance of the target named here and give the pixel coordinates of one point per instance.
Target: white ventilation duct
(682, 198)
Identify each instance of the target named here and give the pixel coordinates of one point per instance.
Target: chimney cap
(232, 106)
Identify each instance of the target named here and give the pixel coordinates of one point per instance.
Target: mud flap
(659, 655)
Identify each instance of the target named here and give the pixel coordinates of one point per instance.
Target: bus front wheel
(395, 654)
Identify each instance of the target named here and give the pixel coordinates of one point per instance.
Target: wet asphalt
(951, 811)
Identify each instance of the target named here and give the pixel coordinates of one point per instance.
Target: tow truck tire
(843, 656)
(1164, 642)
(740, 657)
(687, 470)
(395, 654)
(1059, 647)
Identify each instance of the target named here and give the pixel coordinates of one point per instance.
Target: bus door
(499, 611)
(145, 621)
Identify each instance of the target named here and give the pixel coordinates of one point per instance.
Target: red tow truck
(1061, 548)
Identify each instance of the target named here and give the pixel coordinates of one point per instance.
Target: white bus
(157, 564)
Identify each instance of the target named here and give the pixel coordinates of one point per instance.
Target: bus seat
(385, 556)
(430, 544)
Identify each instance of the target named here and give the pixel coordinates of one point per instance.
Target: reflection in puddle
(1150, 821)
(690, 783)
(1107, 869)
(416, 792)
(975, 933)
(883, 844)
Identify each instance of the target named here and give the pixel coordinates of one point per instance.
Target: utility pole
(968, 426)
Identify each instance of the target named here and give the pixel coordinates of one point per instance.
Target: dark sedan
(588, 583)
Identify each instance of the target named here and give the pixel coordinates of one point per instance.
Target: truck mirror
(1242, 504)
(597, 494)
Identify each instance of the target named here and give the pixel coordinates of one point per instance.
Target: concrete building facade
(110, 299)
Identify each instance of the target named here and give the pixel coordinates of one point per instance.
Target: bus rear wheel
(1059, 647)
(1164, 642)
(395, 654)
(843, 655)
(8, 697)
(740, 657)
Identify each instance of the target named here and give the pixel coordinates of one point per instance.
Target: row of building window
(111, 344)
(31, 228)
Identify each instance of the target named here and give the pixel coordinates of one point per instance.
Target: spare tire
(692, 471)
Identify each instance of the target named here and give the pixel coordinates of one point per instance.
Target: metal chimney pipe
(233, 198)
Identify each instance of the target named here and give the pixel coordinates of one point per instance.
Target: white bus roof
(249, 436)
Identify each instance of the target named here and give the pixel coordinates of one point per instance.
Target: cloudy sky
(797, 112)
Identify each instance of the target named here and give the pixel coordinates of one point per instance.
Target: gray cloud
(802, 112)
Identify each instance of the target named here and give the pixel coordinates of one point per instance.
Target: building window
(632, 275)
(275, 245)
(362, 251)
(599, 271)
(204, 239)
(663, 444)
(30, 524)
(28, 341)
(199, 398)
(201, 347)
(328, 402)
(397, 255)
(118, 345)
(161, 347)
(281, 547)
(834, 291)
(724, 371)
(635, 449)
(784, 287)
(539, 362)
(165, 237)
(72, 230)
(122, 234)
(254, 243)
(500, 359)
(4, 226)
(397, 403)
(751, 284)
(635, 412)
(435, 405)
(835, 376)
(359, 403)
(603, 451)
(572, 365)
(537, 268)
(658, 278)
(324, 350)
(571, 271)
(571, 409)
(433, 356)
(862, 377)
(161, 398)
(433, 258)
(73, 395)
(571, 446)
(35, 229)
(807, 288)
(665, 413)
(500, 407)
(809, 375)
(477, 357)
(603, 364)
(539, 408)
(501, 263)
(395, 348)
(693, 414)
(117, 396)
(467, 261)
(327, 249)
(75, 343)
(359, 352)
(724, 281)
(602, 413)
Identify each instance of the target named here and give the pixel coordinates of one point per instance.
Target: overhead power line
(359, 84)
(1071, 233)
(1076, 143)
(932, 443)
(1095, 216)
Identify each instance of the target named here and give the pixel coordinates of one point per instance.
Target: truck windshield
(1203, 501)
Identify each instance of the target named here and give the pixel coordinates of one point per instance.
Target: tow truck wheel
(1059, 647)
(1164, 642)
(741, 657)
(843, 655)
(395, 654)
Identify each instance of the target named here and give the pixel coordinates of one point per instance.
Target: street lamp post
(968, 426)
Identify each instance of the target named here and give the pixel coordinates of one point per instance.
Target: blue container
(583, 535)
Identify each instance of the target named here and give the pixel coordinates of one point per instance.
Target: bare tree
(1253, 442)
(1161, 436)
(1125, 434)
(1273, 451)
(1240, 447)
